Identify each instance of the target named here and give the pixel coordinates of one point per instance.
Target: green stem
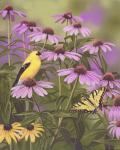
(75, 44)
(101, 61)
(11, 146)
(30, 146)
(9, 39)
(34, 100)
(61, 118)
(59, 80)
(66, 34)
(108, 146)
(44, 44)
(71, 95)
(26, 105)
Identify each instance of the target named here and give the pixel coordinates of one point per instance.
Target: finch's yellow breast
(32, 70)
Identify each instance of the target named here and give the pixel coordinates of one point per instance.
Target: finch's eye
(38, 53)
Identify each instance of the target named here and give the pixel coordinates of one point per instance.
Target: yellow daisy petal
(27, 135)
(36, 134)
(17, 135)
(1, 126)
(8, 139)
(13, 136)
(1, 138)
(32, 137)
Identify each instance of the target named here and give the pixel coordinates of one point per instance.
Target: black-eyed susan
(32, 131)
(9, 132)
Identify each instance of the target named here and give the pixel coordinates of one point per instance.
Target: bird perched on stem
(30, 68)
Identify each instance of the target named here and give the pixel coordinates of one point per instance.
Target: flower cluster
(114, 118)
(15, 132)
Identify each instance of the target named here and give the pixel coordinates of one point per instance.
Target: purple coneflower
(9, 12)
(27, 87)
(114, 129)
(96, 45)
(67, 17)
(61, 54)
(76, 29)
(46, 34)
(110, 81)
(81, 72)
(25, 26)
(111, 93)
(114, 113)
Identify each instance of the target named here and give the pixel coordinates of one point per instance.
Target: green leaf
(29, 119)
(5, 104)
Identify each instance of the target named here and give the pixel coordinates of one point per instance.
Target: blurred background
(102, 17)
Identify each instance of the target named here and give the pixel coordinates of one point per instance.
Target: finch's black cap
(38, 53)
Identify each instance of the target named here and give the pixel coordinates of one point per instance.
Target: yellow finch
(30, 68)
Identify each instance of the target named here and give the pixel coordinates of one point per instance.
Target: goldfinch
(30, 68)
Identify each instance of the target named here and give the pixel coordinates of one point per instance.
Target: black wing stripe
(22, 69)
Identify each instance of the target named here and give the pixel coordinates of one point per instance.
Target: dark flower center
(29, 83)
(97, 43)
(117, 101)
(81, 69)
(77, 25)
(48, 31)
(7, 127)
(30, 127)
(8, 8)
(118, 123)
(24, 22)
(59, 51)
(31, 24)
(67, 15)
(109, 77)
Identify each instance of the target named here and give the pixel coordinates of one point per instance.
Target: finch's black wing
(22, 69)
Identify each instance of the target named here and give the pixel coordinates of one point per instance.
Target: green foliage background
(42, 10)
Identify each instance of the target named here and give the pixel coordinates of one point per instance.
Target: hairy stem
(37, 105)
(59, 80)
(66, 108)
(11, 146)
(75, 44)
(30, 145)
(101, 60)
(44, 44)
(26, 106)
(108, 146)
(71, 95)
(9, 39)
(66, 34)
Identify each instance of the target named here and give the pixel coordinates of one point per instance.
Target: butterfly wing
(96, 96)
(91, 103)
(83, 105)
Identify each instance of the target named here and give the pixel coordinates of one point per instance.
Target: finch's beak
(38, 53)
